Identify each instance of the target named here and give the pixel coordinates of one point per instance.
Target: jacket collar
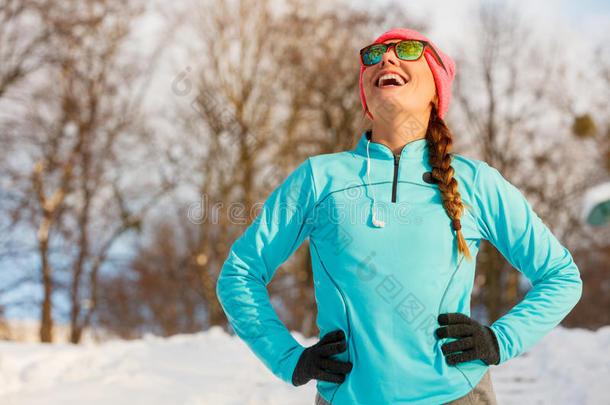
(417, 149)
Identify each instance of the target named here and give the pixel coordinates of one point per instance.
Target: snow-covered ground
(568, 366)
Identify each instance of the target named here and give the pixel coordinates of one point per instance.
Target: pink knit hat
(441, 78)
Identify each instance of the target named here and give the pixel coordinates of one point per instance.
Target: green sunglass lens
(373, 54)
(409, 50)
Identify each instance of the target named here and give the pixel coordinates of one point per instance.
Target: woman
(394, 226)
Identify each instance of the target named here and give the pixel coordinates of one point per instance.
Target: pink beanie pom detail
(442, 78)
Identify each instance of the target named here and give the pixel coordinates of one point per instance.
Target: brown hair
(439, 141)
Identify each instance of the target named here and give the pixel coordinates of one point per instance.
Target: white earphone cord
(376, 222)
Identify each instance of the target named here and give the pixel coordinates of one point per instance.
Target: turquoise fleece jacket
(385, 286)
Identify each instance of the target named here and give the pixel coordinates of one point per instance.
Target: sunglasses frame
(393, 46)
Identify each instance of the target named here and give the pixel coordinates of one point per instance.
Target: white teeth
(389, 76)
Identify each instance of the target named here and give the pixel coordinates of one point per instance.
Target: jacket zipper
(395, 181)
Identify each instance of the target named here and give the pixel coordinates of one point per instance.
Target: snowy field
(569, 366)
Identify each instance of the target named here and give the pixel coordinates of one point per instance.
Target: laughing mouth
(390, 80)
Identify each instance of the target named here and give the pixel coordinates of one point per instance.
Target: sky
(586, 17)
(585, 13)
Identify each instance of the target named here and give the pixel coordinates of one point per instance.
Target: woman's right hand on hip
(315, 361)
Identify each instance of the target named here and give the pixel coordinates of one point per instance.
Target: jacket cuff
(501, 351)
(291, 364)
(494, 338)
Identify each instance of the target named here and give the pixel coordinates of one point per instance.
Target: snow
(568, 366)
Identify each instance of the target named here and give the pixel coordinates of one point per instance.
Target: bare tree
(74, 130)
(158, 291)
(592, 127)
(21, 40)
(21, 53)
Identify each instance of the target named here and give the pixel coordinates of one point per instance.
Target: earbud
(377, 222)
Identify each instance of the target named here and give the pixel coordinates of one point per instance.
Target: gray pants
(482, 394)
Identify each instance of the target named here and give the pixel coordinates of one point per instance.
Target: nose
(389, 57)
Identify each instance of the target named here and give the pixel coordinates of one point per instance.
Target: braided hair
(439, 141)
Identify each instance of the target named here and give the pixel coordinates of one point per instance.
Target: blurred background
(138, 138)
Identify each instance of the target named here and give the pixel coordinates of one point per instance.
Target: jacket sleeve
(508, 221)
(282, 225)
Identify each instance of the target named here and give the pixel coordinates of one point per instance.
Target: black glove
(475, 340)
(315, 360)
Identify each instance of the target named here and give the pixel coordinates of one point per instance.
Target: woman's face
(414, 96)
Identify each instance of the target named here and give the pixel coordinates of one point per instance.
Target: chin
(393, 107)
